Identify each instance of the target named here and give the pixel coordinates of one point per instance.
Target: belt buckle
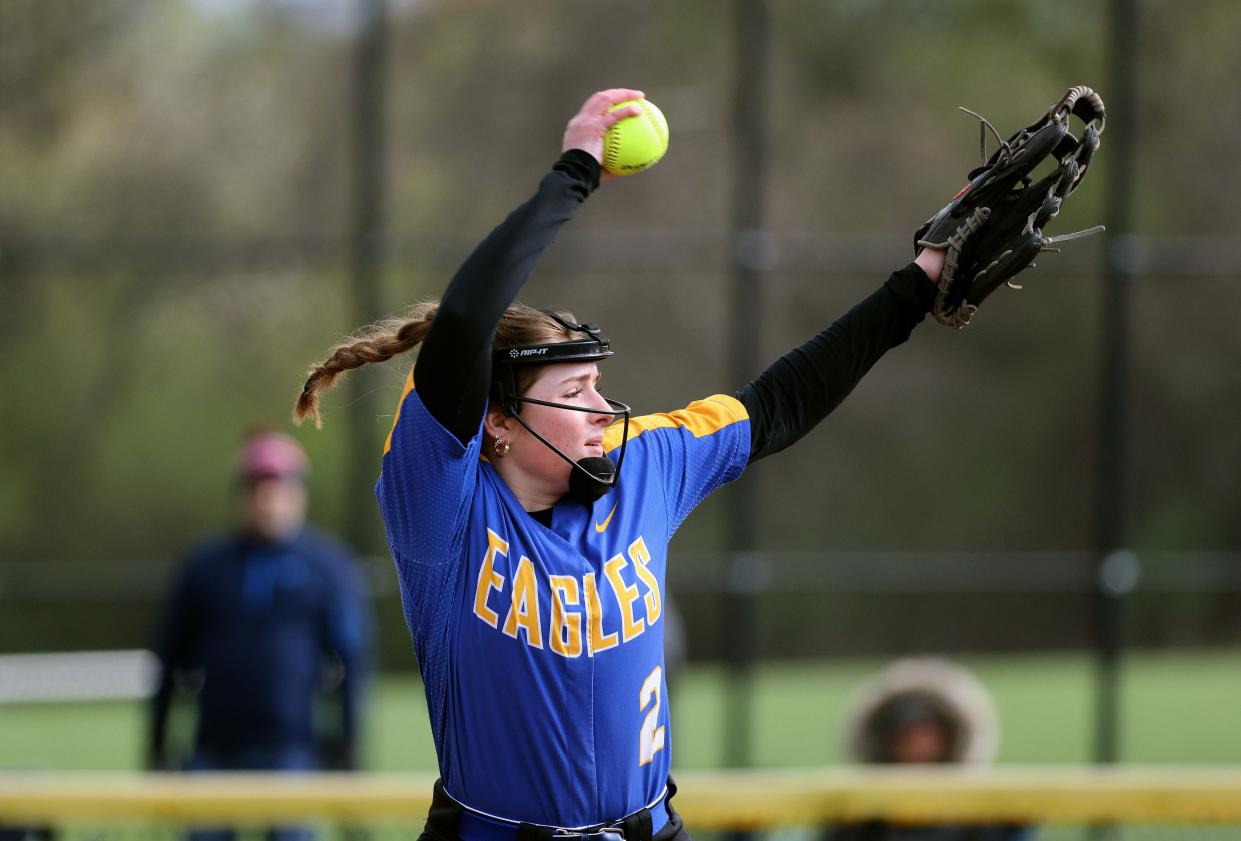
(605, 833)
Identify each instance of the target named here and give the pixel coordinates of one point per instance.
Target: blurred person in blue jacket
(264, 619)
(917, 712)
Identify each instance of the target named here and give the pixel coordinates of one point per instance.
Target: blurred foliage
(175, 211)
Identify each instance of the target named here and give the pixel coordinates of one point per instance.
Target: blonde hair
(379, 342)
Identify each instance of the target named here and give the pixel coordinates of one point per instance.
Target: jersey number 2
(651, 739)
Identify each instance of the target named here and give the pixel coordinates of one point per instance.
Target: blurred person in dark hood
(921, 712)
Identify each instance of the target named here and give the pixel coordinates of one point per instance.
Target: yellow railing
(707, 799)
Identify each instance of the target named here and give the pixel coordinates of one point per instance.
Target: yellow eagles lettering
(576, 623)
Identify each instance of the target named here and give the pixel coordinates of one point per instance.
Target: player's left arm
(804, 385)
(693, 450)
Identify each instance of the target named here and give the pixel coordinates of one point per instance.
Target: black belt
(448, 818)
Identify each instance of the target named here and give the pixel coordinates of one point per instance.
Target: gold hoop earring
(502, 447)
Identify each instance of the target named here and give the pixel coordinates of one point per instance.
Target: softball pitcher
(529, 519)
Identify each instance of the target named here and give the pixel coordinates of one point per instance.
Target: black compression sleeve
(453, 370)
(803, 386)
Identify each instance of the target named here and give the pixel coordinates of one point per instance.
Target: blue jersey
(541, 649)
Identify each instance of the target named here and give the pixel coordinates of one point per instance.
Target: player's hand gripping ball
(635, 143)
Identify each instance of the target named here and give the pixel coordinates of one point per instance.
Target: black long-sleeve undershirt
(801, 387)
(785, 402)
(453, 371)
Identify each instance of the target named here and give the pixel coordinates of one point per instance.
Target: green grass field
(1178, 707)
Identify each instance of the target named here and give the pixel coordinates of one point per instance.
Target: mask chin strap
(592, 476)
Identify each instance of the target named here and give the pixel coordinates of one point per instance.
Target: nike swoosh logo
(601, 527)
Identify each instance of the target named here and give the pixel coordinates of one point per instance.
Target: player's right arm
(433, 452)
(453, 371)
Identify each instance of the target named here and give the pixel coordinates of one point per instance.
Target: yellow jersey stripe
(702, 417)
(409, 386)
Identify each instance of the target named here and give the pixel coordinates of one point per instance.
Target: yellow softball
(635, 143)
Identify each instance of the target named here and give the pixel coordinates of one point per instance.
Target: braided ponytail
(520, 325)
(376, 343)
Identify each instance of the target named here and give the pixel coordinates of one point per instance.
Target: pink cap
(271, 454)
